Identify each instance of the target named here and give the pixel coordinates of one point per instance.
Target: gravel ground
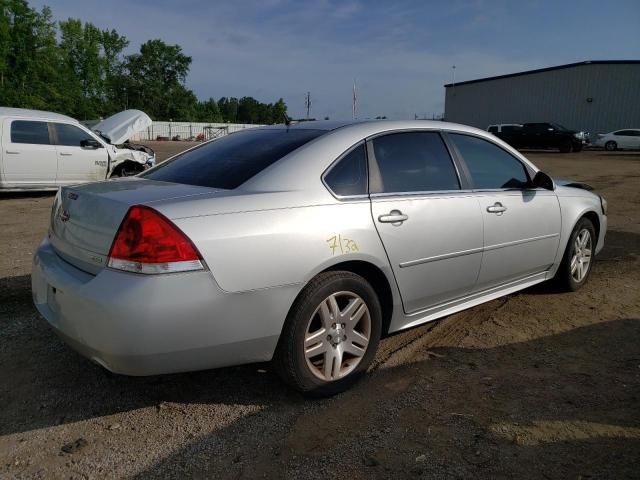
(533, 385)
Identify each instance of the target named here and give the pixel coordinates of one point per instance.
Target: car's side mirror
(542, 180)
(90, 143)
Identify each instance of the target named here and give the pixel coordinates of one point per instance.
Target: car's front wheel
(330, 335)
(565, 146)
(611, 146)
(578, 257)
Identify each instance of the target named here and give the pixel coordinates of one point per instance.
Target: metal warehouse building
(594, 96)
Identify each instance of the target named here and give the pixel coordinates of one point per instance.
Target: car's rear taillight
(148, 242)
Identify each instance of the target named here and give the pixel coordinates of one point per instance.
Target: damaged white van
(44, 150)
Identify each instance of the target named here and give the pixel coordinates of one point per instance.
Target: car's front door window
(70, 135)
(490, 166)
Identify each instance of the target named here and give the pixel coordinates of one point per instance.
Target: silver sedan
(304, 244)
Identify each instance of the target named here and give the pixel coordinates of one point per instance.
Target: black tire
(290, 361)
(565, 146)
(127, 170)
(564, 278)
(577, 147)
(611, 146)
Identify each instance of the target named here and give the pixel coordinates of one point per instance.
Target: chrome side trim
(519, 242)
(445, 256)
(462, 253)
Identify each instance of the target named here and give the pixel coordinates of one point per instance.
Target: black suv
(542, 135)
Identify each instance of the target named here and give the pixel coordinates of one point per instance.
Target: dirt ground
(534, 385)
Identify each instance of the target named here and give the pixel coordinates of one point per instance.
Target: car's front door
(28, 157)
(521, 223)
(77, 164)
(431, 229)
(628, 139)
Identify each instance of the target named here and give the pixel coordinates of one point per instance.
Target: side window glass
(349, 175)
(489, 165)
(24, 131)
(493, 129)
(414, 162)
(69, 135)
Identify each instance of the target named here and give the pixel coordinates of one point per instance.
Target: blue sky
(399, 52)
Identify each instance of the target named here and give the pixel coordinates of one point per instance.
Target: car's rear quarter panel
(270, 248)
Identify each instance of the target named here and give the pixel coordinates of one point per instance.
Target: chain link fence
(190, 131)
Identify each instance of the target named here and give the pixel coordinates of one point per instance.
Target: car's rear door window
(413, 162)
(27, 131)
(349, 175)
(490, 166)
(232, 160)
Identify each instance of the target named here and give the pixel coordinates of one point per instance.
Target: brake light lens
(148, 242)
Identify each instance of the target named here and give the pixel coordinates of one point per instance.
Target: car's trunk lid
(85, 218)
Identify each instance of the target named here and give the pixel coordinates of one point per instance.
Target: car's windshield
(232, 160)
(557, 126)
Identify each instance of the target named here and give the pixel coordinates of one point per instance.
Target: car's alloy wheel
(578, 257)
(337, 336)
(610, 146)
(581, 259)
(330, 335)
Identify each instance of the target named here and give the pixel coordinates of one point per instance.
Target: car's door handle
(395, 217)
(65, 154)
(11, 152)
(497, 208)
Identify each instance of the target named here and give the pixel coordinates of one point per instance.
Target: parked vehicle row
(552, 135)
(304, 244)
(44, 150)
(539, 135)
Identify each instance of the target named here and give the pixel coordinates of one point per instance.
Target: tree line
(75, 68)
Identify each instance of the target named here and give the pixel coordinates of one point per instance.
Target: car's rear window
(232, 160)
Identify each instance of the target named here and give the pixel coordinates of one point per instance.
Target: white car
(628, 139)
(44, 150)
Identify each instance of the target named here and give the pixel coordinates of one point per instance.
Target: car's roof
(330, 125)
(40, 114)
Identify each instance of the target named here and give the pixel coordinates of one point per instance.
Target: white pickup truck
(44, 150)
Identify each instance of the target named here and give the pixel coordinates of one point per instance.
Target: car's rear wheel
(330, 335)
(578, 257)
(611, 146)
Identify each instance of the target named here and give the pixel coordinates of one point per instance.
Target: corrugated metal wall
(553, 96)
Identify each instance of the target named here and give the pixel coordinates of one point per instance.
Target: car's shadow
(46, 383)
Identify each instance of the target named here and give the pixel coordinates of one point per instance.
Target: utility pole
(307, 103)
(354, 100)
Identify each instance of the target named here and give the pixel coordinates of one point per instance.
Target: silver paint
(440, 253)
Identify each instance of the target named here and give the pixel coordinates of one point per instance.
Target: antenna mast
(307, 103)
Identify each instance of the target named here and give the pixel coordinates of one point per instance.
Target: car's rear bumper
(152, 324)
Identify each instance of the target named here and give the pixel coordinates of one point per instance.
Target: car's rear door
(28, 157)
(521, 223)
(77, 164)
(431, 228)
